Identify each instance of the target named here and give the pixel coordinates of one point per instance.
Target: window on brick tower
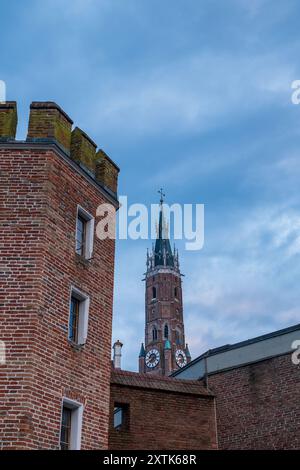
(65, 435)
(74, 319)
(84, 233)
(80, 235)
(78, 319)
(166, 332)
(71, 423)
(175, 292)
(154, 334)
(153, 292)
(177, 337)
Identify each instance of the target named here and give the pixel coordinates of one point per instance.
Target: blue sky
(195, 97)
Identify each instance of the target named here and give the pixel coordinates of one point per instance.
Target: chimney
(117, 347)
(8, 120)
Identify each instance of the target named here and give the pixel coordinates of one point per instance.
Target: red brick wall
(163, 420)
(39, 193)
(258, 406)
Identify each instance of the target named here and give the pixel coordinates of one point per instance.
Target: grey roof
(237, 354)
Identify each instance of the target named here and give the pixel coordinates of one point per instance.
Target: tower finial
(162, 195)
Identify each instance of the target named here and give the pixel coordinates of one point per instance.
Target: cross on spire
(162, 195)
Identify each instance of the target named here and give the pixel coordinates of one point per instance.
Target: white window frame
(76, 422)
(90, 225)
(83, 320)
(2, 353)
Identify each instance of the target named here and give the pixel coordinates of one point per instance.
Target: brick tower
(56, 284)
(165, 349)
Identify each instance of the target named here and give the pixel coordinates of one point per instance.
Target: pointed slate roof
(163, 255)
(142, 351)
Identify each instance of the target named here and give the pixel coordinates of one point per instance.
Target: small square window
(78, 319)
(84, 233)
(71, 423)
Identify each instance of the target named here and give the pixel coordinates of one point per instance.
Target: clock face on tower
(180, 358)
(152, 358)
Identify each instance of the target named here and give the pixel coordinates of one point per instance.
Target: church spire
(164, 349)
(163, 255)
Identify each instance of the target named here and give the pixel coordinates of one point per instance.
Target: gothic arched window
(154, 334)
(175, 292)
(166, 332)
(153, 292)
(177, 337)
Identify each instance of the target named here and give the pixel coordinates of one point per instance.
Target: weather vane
(162, 195)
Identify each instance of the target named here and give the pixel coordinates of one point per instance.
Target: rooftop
(255, 349)
(154, 382)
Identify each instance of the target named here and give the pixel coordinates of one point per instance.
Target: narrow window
(153, 292)
(84, 234)
(65, 435)
(121, 416)
(175, 292)
(177, 337)
(154, 334)
(78, 319)
(166, 332)
(74, 319)
(80, 236)
(71, 423)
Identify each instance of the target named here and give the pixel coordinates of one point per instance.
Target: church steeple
(162, 254)
(165, 348)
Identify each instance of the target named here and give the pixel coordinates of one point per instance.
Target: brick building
(56, 284)
(56, 305)
(153, 412)
(257, 389)
(57, 390)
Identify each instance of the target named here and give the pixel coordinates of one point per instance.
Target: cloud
(178, 97)
(253, 8)
(236, 291)
(291, 315)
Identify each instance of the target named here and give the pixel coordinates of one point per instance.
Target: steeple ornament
(162, 195)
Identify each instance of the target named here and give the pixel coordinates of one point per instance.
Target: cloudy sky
(193, 96)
